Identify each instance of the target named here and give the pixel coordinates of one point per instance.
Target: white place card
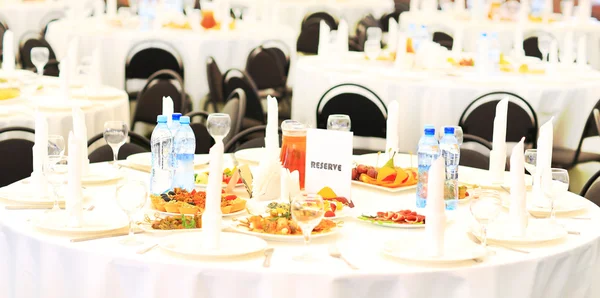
(329, 161)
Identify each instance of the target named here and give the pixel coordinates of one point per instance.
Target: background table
(33, 262)
(230, 49)
(437, 98)
(25, 16)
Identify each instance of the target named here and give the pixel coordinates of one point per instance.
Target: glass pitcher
(293, 148)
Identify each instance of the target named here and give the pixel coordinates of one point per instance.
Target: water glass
(559, 187)
(56, 152)
(307, 211)
(485, 209)
(39, 58)
(374, 33)
(544, 41)
(133, 7)
(115, 135)
(131, 197)
(372, 49)
(218, 125)
(530, 161)
(338, 122)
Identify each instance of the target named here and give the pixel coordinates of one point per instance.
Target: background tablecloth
(22, 17)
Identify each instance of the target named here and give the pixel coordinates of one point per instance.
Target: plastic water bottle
(451, 152)
(483, 53)
(175, 123)
(421, 36)
(161, 175)
(494, 50)
(185, 147)
(427, 151)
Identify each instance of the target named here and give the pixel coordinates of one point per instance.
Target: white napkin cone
(8, 51)
(391, 138)
(65, 79)
(73, 54)
(582, 51)
(584, 10)
(342, 36)
(435, 209)
(168, 109)
(212, 216)
(459, 5)
(498, 153)
(567, 9)
(99, 8)
(457, 44)
(414, 5)
(111, 8)
(392, 41)
(95, 75)
(80, 131)
(324, 31)
(267, 182)
(518, 50)
(543, 169)
(402, 61)
(567, 49)
(518, 207)
(40, 155)
(74, 196)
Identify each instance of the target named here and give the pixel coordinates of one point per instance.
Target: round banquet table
(230, 49)
(450, 24)
(25, 16)
(33, 262)
(98, 108)
(440, 97)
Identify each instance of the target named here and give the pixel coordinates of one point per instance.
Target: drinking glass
(374, 33)
(338, 122)
(131, 197)
(530, 161)
(133, 7)
(39, 58)
(372, 49)
(558, 188)
(485, 210)
(544, 41)
(115, 134)
(293, 148)
(308, 212)
(218, 125)
(56, 152)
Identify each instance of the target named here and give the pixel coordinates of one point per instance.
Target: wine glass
(372, 49)
(115, 134)
(307, 211)
(218, 125)
(558, 188)
(485, 210)
(133, 7)
(131, 197)
(531, 161)
(544, 41)
(338, 122)
(56, 152)
(39, 58)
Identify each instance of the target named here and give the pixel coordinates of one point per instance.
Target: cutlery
(536, 215)
(335, 252)
(137, 168)
(111, 235)
(478, 242)
(505, 189)
(32, 207)
(574, 233)
(147, 249)
(268, 255)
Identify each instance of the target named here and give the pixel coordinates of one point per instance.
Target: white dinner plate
(144, 159)
(146, 227)
(465, 200)
(382, 188)
(413, 249)
(56, 103)
(570, 203)
(24, 192)
(346, 212)
(254, 155)
(100, 173)
(231, 244)
(92, 222)
(175, 214)
(97, 93)
(400, 160)
(281, 238)
(538, 231)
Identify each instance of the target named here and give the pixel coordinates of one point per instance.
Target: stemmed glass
(558, 188)
(531, 161)
(218, 125)
(373, 44)
(544, 41)
(485, 210)
(39, 58)
(115, 134)
(307, 211)
(338, 122)
(56, 152)
(131, 197)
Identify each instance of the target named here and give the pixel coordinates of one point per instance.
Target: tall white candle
(582, 50)
(435, 209)
(543, 170)
(211, 218)
(392, 41)
(518, 210)
(8, 48)
(168, 109)
(499, 136)
(498, 153)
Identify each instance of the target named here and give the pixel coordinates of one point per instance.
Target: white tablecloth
(36, 264)
(230, 49)
(439, 99)
(445, 22)
(19, 111)
(25, 16)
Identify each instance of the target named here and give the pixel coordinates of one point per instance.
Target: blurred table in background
(25, 16)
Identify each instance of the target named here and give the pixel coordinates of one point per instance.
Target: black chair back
(253, 137)
(385, 20)
(281, 51)
(20, 163)
(203, 139)
(317, 17)
(265, 68)
(591, 129)
(149, 101)
(478, 118)
(475, 152)
(215, 84)
(147, 57)
(596, 113)
(136, 144)
(48, 19)
(591, 189)
(235, 107)
(530, 47)
(3, 28)
(236, 79)
(443, 39)
(35, 40)
(358, 42)
(308, 40)
(367, 111)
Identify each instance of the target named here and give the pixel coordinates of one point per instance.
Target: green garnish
(188, 223)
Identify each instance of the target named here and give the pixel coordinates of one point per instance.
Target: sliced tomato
(381, 214)
(230, 197)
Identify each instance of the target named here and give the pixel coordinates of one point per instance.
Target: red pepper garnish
(230, 197)
(343, 201)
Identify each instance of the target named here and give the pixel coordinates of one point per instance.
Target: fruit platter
(201, 179)
(400, 219)
(179, 201)
(334, 205)
(389, 177)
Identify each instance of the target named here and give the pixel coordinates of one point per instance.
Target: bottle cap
(429, 130)
(176, 116)
(184, 120)
(449, 130)
(161, 119)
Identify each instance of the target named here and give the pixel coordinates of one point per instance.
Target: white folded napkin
(224, 7)
(582, 50)
(498, 153)
(272, 131)
(435, 209)
(518, 50)
(584, 10)
(391, 138)
(99, 8)
(212, 216)
(111, 8)
(324, 38)
(392, 41)
(459, 5)
(40, 155)
(478, 11)
(547, 10)
(543, 167)
(80, 131)
(553, 54)
(64, 77)
(401, 61)
(168, 109)
(95, 74)
(518, 207)
(457, 44)
(267, 183)
(73, 58)
(414, 5)
(342, 36)
(74, 196)
(567, 9)
(8, 51)
(567, 49)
